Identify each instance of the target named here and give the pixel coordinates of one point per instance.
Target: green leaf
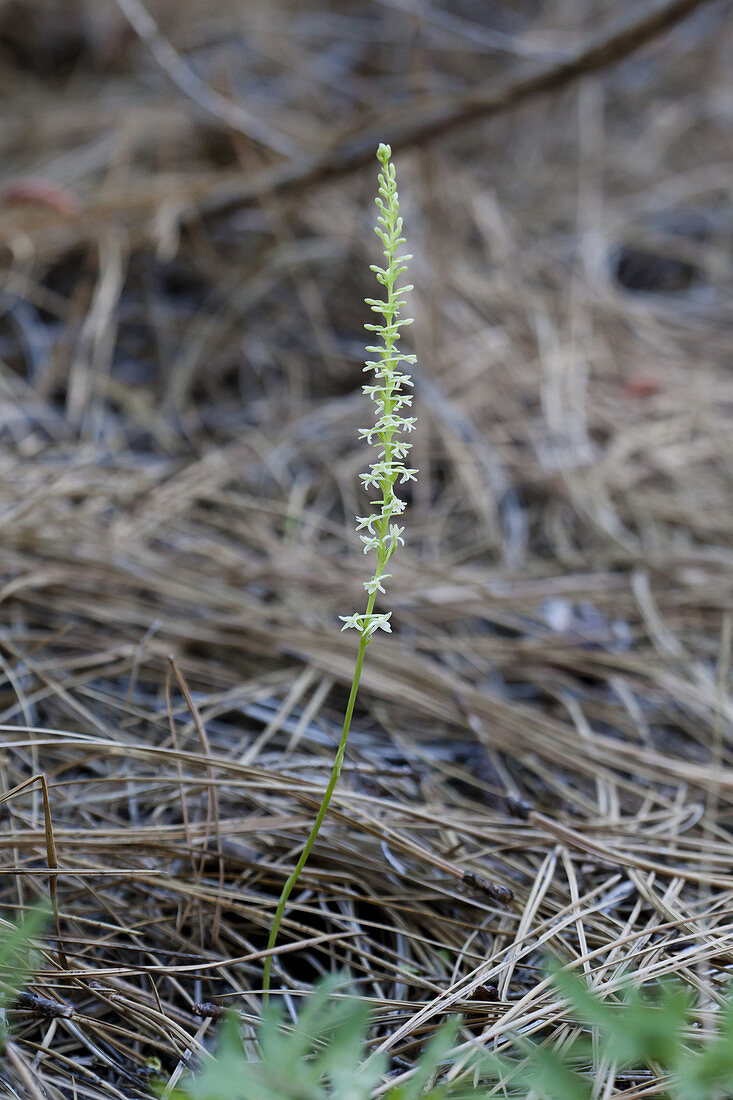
(433, 1055)
(642, 1028)
(708, 1071)
(224, 1075)
(323, 1056)
(17, 961)
(551, 1077)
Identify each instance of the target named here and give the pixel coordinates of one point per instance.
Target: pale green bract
(389, 399)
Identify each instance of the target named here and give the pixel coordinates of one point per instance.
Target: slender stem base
(335, 773)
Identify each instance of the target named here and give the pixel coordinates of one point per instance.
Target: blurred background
(163, 295)
(186, 203)
(186, 211)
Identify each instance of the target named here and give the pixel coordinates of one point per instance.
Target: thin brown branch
(186, 80)
(449, 116)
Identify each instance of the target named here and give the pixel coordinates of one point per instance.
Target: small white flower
(392, 507)
(369, 479)
(367, 625)
(388, 423)
(372, 623)
(400, 450)
(375, 584)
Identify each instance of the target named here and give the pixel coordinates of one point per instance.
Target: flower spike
(386, 434)
(389, 469)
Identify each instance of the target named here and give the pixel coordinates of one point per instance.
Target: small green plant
(653, 1029)
(324, 1055)
(17, 960)
(383, 532)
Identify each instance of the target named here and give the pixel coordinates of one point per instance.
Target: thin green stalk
(384, 534)
(322, 811)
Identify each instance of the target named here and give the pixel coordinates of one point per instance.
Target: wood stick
(450, 115)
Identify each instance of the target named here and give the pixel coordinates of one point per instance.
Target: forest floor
(181, 357)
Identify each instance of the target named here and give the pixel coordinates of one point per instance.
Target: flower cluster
(383, 532)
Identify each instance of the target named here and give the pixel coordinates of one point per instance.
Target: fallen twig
(183, 76)
(446, 117)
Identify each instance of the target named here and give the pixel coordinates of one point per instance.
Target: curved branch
(186, 80)
(440, 119)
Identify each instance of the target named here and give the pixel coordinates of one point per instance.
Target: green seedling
(17, 960)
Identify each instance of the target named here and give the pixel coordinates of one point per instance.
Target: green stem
(335, 773)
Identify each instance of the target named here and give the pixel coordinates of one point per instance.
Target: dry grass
(178, 477)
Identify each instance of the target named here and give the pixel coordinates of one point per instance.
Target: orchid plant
(383, 531)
